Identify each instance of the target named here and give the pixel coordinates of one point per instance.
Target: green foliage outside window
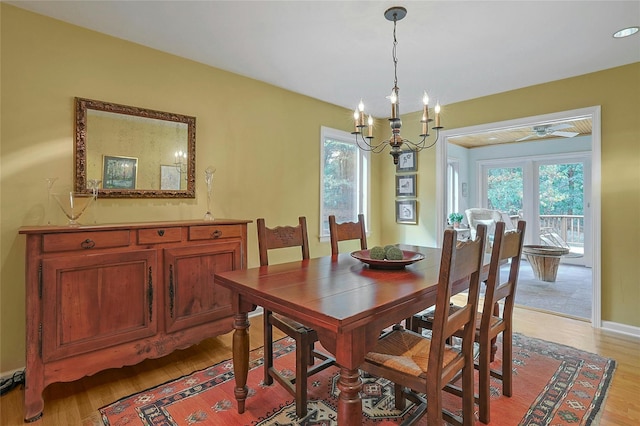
(561, 189)
(340, 185)
(505, 189)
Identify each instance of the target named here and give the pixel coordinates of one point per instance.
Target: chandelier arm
(365, 145)
(422, 144)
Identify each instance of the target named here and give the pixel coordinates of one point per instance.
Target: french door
(552, 193)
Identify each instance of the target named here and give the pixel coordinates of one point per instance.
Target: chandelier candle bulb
(394, 104)
(437, 111)
(370, 126)
(425, 108)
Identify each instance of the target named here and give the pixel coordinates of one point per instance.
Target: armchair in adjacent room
(481, 216)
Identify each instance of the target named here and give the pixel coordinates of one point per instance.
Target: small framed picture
(119, 172)
(406, 185)
(406, 212)
(407, 162)
(169, 178)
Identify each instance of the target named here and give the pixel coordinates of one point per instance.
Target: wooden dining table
(345, 300)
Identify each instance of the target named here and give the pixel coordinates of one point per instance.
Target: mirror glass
(131, 152)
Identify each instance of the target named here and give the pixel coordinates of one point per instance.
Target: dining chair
(347, 231)
(507, 247)
(305, 337)
(419, 364)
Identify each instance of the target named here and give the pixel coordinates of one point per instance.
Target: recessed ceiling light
(625, 32)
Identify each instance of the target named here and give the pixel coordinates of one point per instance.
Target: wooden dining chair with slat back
(305, 337)
(347, 231)
(507, 247)
(426, 365)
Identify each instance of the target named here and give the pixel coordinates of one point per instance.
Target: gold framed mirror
(131, 152)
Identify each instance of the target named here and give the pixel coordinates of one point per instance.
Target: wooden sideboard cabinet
(106, 296)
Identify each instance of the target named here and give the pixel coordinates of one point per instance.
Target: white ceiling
(340, 51)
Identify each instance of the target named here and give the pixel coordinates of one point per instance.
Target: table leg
(241, 358)
(349, 402)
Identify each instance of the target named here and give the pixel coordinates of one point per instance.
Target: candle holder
(50, 181)
(73, 204)
(208, 178)
(94, 185)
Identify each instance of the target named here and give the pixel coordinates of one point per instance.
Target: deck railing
(569, 227)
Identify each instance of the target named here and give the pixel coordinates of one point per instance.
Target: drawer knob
(216, 234)
(87, 244)
(161, 232)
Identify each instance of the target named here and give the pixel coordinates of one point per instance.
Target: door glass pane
(505, 187)
(562, 202)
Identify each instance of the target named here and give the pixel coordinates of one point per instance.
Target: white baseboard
(621, 328)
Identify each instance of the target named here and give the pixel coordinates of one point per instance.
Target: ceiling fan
(550, 130)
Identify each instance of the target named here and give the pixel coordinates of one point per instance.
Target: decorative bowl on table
(408, 257)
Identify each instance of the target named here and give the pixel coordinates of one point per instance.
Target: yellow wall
(264, 142)
(617, 91)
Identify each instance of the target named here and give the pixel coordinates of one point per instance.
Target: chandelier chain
(394, 54)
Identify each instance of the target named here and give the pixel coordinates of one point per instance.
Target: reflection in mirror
(135, 152)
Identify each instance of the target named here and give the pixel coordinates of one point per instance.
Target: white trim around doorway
(594, 113)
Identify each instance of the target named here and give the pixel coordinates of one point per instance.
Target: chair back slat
(507, 247)
(347, 231)
(458, 261)
(282, 237)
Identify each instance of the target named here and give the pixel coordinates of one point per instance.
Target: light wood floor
(76, 403)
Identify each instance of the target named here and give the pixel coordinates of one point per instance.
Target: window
(453, 177)
(344, 178)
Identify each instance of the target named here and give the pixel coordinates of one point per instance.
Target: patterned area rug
(553, 385)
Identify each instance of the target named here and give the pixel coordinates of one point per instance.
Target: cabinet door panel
(97, 301)
(192, 297)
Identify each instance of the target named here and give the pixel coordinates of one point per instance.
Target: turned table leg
(241, 358)
(349, 402)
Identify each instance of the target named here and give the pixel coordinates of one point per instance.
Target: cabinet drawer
(85, 240)
(159, 235)
(214, 232)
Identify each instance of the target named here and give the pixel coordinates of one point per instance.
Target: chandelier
(396, 141)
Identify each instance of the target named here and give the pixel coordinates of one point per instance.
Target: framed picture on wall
(406, 185)
(407, 162)
(119, 172)
(406, 212)
(169, 178)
